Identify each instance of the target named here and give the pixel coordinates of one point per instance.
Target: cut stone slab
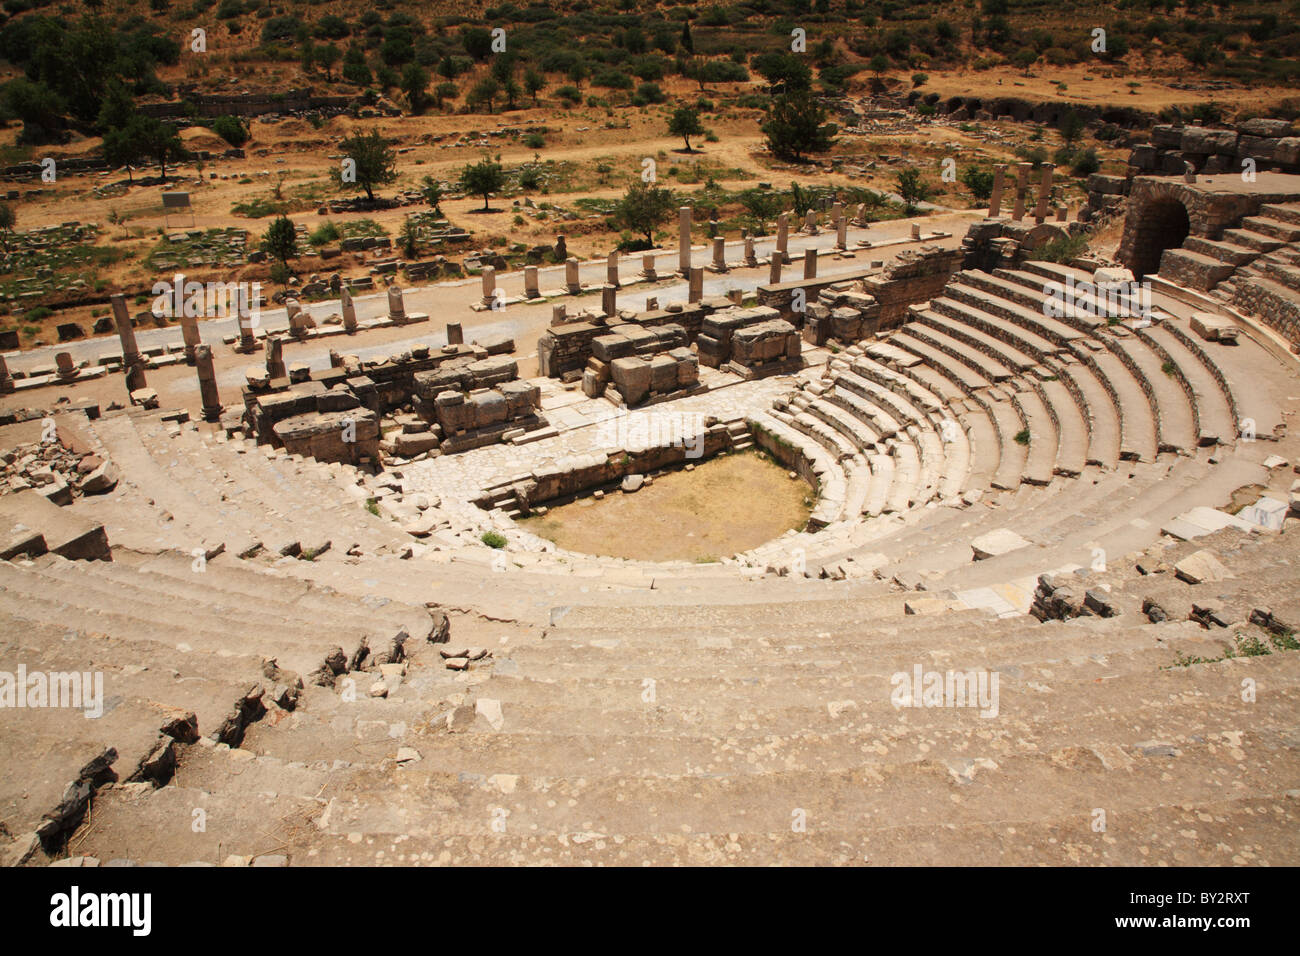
(1201, 567)
(1268, 513)
(69, 535)
(994, 543)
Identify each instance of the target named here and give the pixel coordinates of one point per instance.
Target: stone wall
(565, 349)
(916, 276)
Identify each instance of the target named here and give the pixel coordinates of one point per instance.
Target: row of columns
(1022, 190)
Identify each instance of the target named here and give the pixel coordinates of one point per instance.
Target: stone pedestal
(396, 307)
(810, 263)
(648, 266)
(611, 270)
(489, 285)
(65, 367)
(531, 288)
(810, 222)
(719, 254)
(455, 335)
(609, 300)
(207, 384)
(916, 232)
(6, 379)
(751, 259)
(571, 279)
(558, 314)
(275, 357)
(774, 270)
(783, 237)
(349, 312)
(695, 291)
(842, 233)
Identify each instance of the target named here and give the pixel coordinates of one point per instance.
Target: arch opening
(1162, 224)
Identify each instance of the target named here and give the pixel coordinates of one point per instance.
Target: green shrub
(493, 539)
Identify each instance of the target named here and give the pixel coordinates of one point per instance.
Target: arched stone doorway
(1161, 224)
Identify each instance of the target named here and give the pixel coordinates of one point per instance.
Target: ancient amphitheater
(1044, 610)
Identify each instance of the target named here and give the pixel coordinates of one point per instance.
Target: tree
(643, 208)
(784, 72)
(879, 64)
(159, 141)
(685, 122)
(1071, 127)
(39, 107)
(534, 83)
(978, 181)
(327, 55)
(7, 220)
(483, 179)
(280, 241)
(122, 148)
(373, 159)
(415, 81)
(444, 91)
(231, 129)
(485, 92)
(409, 238)
(431, 193)
(355, 70)
(796, 126)
(477, 42)
(1024, 58)
(688, 44)
(763, 205)
(912, 188)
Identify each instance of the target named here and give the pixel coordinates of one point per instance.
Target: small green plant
(372, 505)
(1022, 437)
(1169, 368)
(493, 539)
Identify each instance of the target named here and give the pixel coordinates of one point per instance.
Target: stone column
(783, 237)
(336, 360)
(559, 313)
(489, 285)
(695, 291)
(837, 213)
(774, 270)
(1044, 192)
(652, 303)
(189, 333)
(247, 343)
(1061, 212)
(916, 231)
(1022, 187)
(684, 240)
(609, 300)
(67, 369)
(719, 254)
(349, 312)
(132, 360)
(455, 334)
(648, 266)
(810, 222)
(531, 288)
(275, 357)
(810, 263)
(751, 259)
(571, 279)
(611, 270)
(995, 198)
(862, 214)
(396, 307)
(842, 233)
(207, 384)
(6, 379)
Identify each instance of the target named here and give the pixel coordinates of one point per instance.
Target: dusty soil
(726, 505)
